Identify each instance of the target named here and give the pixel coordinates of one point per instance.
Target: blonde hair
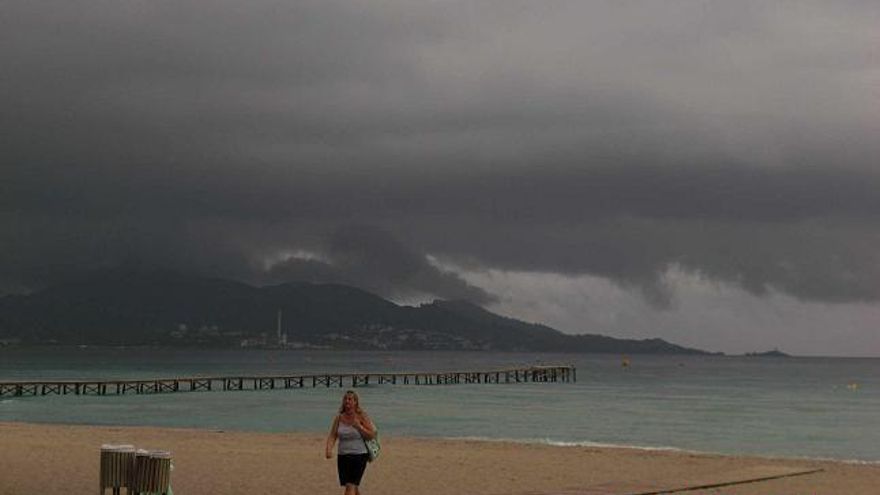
(357, 403)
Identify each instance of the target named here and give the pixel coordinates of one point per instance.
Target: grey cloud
(816, 260)
(570, 137)
(373, 259)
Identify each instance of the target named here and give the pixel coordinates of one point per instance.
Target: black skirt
(351, 468)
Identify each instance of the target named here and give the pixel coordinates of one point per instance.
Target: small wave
(557, 443)
(7, 401)
(560, 443)
(650, 448)
(856, 462)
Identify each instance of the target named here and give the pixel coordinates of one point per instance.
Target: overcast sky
(701, 171)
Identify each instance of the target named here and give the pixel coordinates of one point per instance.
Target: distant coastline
(775, 353)
(157, 307)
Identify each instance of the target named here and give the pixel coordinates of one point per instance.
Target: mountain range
(151, 306)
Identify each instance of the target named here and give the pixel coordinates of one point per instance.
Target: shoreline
(199, 347)
(515, 441)
(228, 461)
(648, 448)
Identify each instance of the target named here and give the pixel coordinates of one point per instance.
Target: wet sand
(36, 458)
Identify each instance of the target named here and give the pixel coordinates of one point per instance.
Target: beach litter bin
(152, 473)
(117, 463)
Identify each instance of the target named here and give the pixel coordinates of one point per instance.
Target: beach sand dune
(63, 458)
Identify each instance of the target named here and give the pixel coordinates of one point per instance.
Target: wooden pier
(541, 374)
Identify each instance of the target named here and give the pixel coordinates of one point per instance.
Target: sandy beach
(36, 458)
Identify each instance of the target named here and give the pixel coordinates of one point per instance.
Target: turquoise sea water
(797, 407)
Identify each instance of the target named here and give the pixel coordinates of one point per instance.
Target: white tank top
(350, 440)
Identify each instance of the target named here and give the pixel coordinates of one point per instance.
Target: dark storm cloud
(373, 259)
(604, 138)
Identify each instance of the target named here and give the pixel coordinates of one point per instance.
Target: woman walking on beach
(350, 427)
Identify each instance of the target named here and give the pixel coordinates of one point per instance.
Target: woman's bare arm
(331, 438)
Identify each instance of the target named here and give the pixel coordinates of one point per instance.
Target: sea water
(793, 407)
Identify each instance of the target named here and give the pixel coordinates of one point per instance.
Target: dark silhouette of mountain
(137, 305)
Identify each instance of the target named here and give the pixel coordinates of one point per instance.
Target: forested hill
(154, 306)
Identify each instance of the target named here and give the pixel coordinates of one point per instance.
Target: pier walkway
(542, 374)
